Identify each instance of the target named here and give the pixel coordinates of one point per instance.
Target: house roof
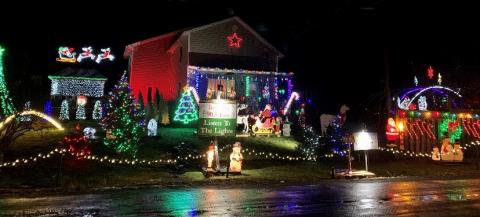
(78, 73)
(247, 27)
(129, 48)
(187, 31)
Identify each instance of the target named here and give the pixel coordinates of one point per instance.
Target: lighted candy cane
(294, 95)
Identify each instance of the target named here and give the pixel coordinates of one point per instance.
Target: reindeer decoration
(242, 119)
(327, 119)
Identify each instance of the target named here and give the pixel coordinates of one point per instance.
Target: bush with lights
(335, 137)
(311, 143)
(121, 122)
(76, 143)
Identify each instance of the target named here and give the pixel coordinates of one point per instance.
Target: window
(222, 87)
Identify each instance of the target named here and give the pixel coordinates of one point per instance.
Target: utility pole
(388, 94)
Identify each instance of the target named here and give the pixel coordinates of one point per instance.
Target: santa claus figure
(236, 158)
(392, 132)
(266, 116)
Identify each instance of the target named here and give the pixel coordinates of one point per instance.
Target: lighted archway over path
(32, 112)
(436, 87)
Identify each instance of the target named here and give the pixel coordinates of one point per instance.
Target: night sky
(341, 43)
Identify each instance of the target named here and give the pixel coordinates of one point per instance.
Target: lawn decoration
(210, 157)
(327, 119)
(89, 132)
(236, 158)
(76, 143)
(152, 127)
(242, 117)
(263, 124)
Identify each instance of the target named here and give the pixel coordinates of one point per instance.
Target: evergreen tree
(97, 110)
(5, 100)
(64, 112)
(121, 122)
(157, 107)
(80, 114)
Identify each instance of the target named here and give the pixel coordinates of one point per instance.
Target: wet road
(330, 198)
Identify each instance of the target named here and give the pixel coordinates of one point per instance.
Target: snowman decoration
(152, 127)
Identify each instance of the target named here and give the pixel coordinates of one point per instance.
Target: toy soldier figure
(210, 156)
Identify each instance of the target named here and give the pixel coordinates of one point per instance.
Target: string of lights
(406, 153)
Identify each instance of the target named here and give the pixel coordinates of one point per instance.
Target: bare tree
(11, 131)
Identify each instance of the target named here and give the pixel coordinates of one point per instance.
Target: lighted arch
(429, 88)
(32, 112)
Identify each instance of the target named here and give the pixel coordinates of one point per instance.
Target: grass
(87, 174)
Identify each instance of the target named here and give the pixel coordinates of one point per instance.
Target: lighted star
(430, 72)
(234, 41)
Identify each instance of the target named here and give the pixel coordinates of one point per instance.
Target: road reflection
(329, 198)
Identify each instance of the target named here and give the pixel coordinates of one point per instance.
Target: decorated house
(77, 86)
(432, 120)
(226, 59)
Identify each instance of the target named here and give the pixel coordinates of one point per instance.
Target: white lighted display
(422, 103)
(72, 86)
(365, 141)
(106, 55)
(86, 54)
(152, 127)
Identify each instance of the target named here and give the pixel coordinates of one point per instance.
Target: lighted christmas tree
(5, 100)
(186, 111)
(80, 114)
(121, 124)
(64, 111)
(97, 111)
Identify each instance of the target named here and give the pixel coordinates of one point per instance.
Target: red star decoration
(234, 41)
(430, 72)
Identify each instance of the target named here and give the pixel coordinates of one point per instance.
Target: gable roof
(78, 73)
(129, 48)
(187, 31)
(245, 25)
